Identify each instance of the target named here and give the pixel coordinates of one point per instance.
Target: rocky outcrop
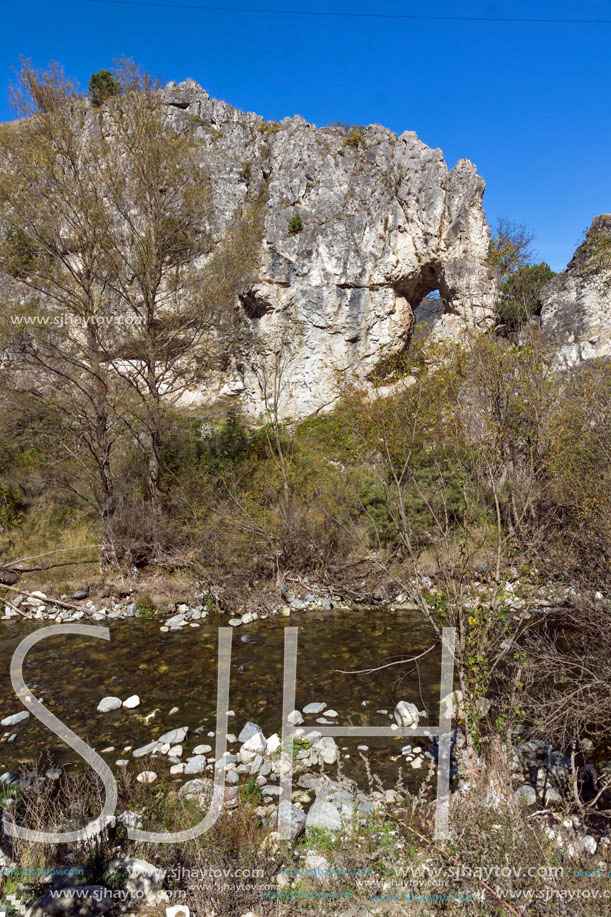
(380, 222)
(576, 305)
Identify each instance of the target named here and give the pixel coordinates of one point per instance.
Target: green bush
(145, 607)
(19, 253)
(295, 223)
(355, 136)
(269, 127)
(12, 506)
(250, 792)
(520, 295)
(102, 86)
(597, 249)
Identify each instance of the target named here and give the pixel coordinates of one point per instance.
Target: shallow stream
(71, 674)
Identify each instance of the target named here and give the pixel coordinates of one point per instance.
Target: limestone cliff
(381, 222)
(576, 305)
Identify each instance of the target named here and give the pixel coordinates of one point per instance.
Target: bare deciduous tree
(120, 293)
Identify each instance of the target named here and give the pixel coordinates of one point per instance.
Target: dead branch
(387, 665)
(22, 560)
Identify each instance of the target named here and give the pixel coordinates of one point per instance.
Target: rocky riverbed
(157, 676)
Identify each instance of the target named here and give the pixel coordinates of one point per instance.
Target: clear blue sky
(528, 103)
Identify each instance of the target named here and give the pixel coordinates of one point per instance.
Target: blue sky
(527, 102)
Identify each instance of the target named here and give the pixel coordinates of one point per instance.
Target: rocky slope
(576, 305)
(384, 222)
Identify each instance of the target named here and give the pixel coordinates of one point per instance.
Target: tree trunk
(154, 467)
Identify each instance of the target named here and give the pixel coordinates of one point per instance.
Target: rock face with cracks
(576, 305)
(360, 225)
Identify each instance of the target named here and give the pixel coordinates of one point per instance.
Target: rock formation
(380, 222)
(576, 305)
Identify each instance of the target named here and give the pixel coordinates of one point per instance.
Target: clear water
(72, 674)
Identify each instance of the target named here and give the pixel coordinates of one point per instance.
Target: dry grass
(497, 860)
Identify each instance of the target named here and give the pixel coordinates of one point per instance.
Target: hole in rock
(427, 296)
(254, 306)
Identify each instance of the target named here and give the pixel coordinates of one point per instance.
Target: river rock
(326, 748)
(15, 718)
(406, 714)
(526, 795)
(175, 622)
(589, 844)
(256, 744)
(109, 703)
(146, 749)
(196, 765)
(130, 819)
(451, 704)
(529, 755)
(247, 757)
(248, 731)
(345, 796)
(552, 796)
(294, 816)
(317, 866)
(270, 790)
(203, 749)
(314, 708)
(323, 815)
(557, 767)
(143, 879)
(174, 736)
(132, 702)
(146, 777)
(273, 744)
(200, 790)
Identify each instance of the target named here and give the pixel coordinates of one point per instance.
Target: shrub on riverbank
(491, 459)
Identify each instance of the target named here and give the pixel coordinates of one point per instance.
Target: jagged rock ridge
(384, 222)
(576, 305)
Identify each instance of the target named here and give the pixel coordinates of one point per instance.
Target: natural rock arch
(383, 222)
